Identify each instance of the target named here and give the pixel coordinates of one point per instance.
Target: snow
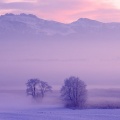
(20, 107)
(59, 113)
(15, 105)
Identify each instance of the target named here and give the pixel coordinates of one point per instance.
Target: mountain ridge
(29, 25)
(34, 16)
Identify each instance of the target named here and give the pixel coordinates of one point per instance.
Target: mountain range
(30, 26)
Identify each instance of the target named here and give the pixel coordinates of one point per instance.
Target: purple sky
(65, 10)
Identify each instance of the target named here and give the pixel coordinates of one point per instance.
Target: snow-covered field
(15, 105)
(58, 113)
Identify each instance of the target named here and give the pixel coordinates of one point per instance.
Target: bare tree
(37, 88)
(74, 93)
(44, 88)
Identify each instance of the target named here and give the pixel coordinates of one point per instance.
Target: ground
(60, 113)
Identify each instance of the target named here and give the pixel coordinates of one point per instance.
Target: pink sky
(65, 10)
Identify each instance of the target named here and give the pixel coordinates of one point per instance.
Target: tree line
(73, 92)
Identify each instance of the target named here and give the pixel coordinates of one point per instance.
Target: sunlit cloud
(116, 3)
(11, 1)
(65, 10)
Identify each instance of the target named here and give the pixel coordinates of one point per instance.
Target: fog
(95, 62)
(17, 99)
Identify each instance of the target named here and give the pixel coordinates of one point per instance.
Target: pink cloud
(68, 11)
(65, 10)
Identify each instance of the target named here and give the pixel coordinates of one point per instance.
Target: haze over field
(35, 48)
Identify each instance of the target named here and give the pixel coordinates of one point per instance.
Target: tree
(37, 88)
(74, 93)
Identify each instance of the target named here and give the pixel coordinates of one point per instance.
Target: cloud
(64, 10)
(45, 60)
(16, 6)
(12, 1)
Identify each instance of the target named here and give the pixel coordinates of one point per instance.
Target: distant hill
(29, 26)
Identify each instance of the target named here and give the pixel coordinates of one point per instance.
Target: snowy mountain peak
(87, 22)
(22, 16)
(30, 25)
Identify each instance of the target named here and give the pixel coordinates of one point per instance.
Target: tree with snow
(74, 93)
(37, 88)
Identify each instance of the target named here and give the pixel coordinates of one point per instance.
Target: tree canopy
(37, 88)
(74, 93)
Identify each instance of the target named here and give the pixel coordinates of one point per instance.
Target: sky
(65, 11)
